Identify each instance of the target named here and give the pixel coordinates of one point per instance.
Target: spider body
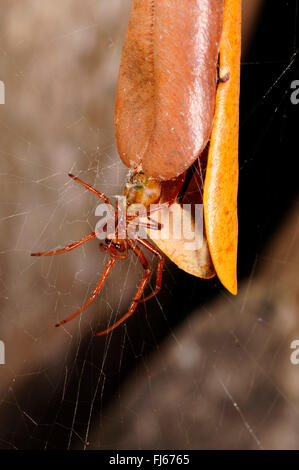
(139, 190)
(142, 190)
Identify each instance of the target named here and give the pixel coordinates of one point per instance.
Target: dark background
(59, 397)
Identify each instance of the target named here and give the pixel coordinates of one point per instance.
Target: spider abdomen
(142, 190)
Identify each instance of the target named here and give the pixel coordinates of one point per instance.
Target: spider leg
(160, 266)
(158, 224)
(94, 293)
(152, 226)
(90, 188)
(147, 271)
(147, 212)
(70, 247)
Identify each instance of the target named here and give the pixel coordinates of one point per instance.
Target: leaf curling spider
(139, 190)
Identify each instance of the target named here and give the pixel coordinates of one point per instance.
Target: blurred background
(194, 368)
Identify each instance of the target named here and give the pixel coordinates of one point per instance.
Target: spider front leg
(74, 245)
(70, 247)
(90, 188)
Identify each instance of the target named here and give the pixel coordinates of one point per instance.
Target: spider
(139, 190)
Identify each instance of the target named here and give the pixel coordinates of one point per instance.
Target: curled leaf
(182, 237)
(166, 90)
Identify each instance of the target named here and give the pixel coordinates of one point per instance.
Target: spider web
(137, 388)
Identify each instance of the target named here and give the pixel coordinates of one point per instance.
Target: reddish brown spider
(139, 190)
